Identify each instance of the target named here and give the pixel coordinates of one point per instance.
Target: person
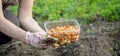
(23, 27)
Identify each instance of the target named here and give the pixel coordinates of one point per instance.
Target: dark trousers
(11, 17)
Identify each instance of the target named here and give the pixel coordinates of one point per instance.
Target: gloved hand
(39, 40)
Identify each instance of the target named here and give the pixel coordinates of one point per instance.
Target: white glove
(38, 40)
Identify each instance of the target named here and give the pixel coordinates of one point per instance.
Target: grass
(69, 9)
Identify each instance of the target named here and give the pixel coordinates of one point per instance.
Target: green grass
(87, 9)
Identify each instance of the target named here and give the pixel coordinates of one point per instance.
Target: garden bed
(99, 38)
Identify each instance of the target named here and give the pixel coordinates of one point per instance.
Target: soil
(98, 38)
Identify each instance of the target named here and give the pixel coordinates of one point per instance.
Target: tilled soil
(99, 38)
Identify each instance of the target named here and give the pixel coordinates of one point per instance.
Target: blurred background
(80, 9)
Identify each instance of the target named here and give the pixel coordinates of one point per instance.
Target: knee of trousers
(11, 17)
